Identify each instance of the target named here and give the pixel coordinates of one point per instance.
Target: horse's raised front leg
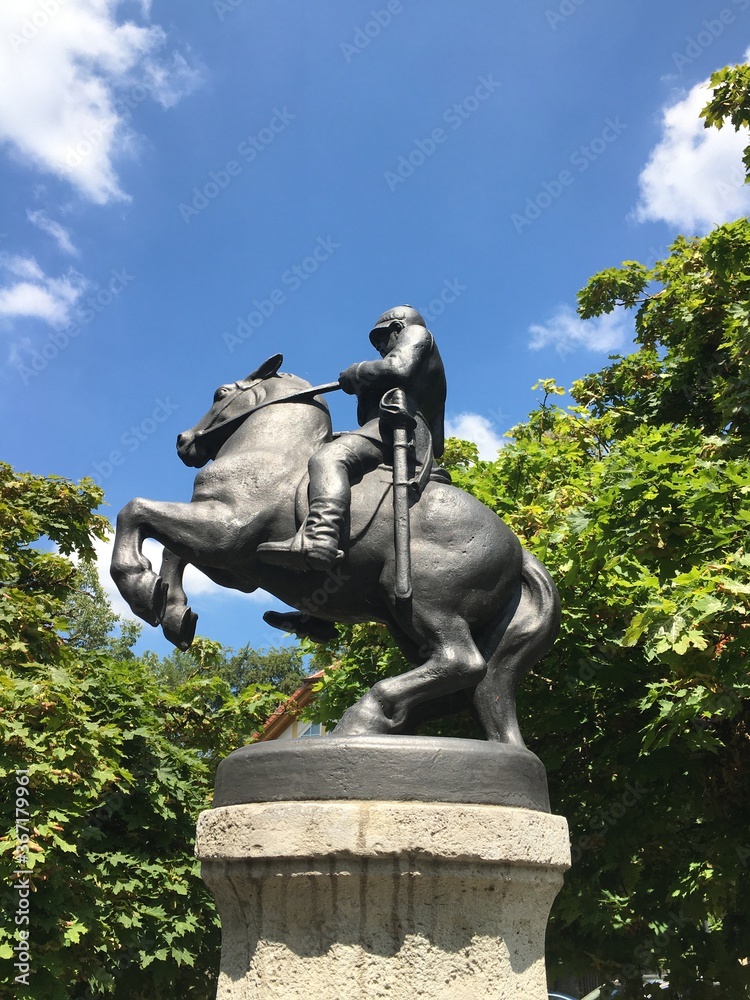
(179, 621)
(194, 532)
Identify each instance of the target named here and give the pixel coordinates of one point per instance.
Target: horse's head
(232, 402)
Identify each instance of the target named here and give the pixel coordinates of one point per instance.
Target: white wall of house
(302, 730)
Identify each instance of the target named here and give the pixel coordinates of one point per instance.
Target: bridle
(234, 422)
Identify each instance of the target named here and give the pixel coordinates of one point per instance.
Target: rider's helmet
(403, 315)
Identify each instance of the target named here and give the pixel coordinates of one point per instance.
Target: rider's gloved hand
(348, 380)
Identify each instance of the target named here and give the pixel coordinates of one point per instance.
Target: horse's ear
(267, 369)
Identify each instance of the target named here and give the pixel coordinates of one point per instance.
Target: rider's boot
(316, 544)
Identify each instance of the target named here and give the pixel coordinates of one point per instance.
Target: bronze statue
(410, 362)
(351, 528)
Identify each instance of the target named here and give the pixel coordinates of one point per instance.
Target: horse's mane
(259, 391)
(303, 383)
(292, 383)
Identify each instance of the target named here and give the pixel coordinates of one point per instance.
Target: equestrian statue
(352, 527)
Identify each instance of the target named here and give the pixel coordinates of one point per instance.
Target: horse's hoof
(150, 601)
(302, 625)
(179, 628)
(365, 718)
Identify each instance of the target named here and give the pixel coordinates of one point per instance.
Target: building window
(313, 729)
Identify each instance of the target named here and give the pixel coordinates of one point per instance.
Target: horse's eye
(220, 393)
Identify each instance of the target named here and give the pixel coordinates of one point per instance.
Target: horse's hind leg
(435, 708)
(495, 696)
(518, 640)
(438, 708)
(178, 621)
(452, 663)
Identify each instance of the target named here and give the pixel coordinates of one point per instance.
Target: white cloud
(21, 267)
(35, 295)
(168, 83)
(63, 77)
(58, 233)
(474, 427)
(694, 178)
(566, 332)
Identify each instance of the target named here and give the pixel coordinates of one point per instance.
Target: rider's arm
(397, 368)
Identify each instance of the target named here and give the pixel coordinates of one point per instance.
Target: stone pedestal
(352, 900)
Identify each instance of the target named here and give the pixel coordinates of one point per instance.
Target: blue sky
(188, 188)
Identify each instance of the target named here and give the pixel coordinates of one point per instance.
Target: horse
(483, 610)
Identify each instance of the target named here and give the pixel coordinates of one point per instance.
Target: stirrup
(298, 554)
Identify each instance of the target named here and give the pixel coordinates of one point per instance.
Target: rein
(296, 397)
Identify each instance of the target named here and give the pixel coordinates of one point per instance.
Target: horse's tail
(513, 645)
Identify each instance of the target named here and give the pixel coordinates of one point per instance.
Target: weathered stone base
(397, 900)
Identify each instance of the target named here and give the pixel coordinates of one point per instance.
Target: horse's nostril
(181, 440)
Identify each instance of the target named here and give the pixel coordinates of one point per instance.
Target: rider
(410, 361)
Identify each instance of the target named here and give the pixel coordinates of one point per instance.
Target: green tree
(637, 498)
(115, 769)
(281, 667)
(691, 322)
(34, 582)
(91, 620)
(730, 102)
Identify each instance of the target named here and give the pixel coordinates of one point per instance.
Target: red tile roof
(286, 713)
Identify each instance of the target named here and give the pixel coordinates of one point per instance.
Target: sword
(315, 390)
(393, 407)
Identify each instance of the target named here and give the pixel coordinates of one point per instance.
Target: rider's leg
(332, 471)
